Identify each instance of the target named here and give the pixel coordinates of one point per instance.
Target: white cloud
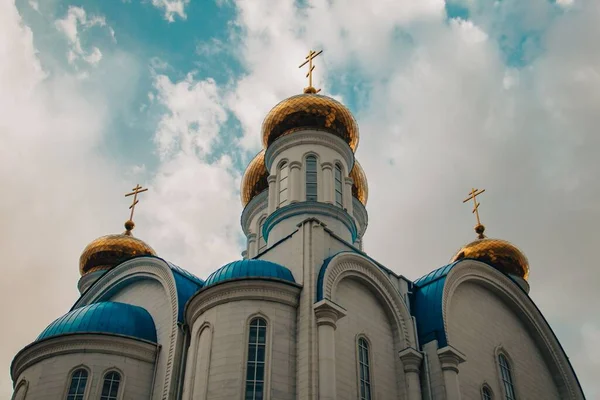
(35, 5)
(70, 25)
(172, 8)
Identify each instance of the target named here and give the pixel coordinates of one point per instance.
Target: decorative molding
(478, 273)
(82, 343)
(326, 165)
(310, 208)
(296, 164)
(255, 206)
(411, 359)
(141, 268)
(328, 313)
(450, 358)
(240, 290)
(349, 264)
(311, 137)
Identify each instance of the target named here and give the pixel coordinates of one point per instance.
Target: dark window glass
(77, 386)
(486, 393)
(507, 381)
(311, 178)
(110, 387)
(262, 243)
(338, 185)
(363, 366)
(255, 366)
(283, 184)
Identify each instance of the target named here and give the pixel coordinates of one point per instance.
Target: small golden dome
(255, 178)
(109, 251)
(310, 110)
(500, 254)
(360, 188)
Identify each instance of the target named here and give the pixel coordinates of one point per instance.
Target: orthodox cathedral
(306, 313)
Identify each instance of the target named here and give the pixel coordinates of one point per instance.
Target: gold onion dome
(108, 251)
(313, 111)
(500, 254)
(360, 188)
(255, 178)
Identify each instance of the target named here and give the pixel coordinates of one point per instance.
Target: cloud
(35, 5)
(172, 8)
(76, 19)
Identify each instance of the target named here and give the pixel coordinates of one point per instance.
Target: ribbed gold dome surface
(360, 187)
(109, 251)
(310, 110)
(500, 254)
(255, 178)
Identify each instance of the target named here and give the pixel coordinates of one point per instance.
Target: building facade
(305, 314)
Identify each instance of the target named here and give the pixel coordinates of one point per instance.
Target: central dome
(312, 111)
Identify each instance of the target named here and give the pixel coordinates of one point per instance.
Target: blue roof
(105, 317)
(186, 284)
(426, 304)
(250, 269)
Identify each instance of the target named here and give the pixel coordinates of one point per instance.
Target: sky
(97, 96)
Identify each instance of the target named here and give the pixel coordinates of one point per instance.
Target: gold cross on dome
(473, 196)
(309, 59)
(136, 190)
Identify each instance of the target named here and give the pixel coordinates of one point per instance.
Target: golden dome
(310, 110)
(500, 254)
(109, 251)
(255, 178)
(360, 188)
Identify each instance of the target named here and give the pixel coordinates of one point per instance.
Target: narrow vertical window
(364, 370)
(338, 185)
(311, 178)
(506, 375)
(283, 184)
(255, 367)
(486, 393)
(262, 243)
(77, 386)
(110, 387)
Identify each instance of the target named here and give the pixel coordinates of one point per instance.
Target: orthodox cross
(473, 196)
(309, 59)
(136, 190)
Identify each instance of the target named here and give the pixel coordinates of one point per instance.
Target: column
(252, 245)
(327, 314)
(348, 194)
(295, 181)
(449, 360)
(411, 359)
(326, 191)
(272, 193)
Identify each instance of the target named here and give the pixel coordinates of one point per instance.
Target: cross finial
(309, 58)
(129, 225)
(473, 196)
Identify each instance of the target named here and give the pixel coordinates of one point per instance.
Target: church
(306, 313)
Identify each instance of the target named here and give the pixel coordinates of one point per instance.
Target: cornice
(254, 206)
(312, 137)
(82, 343)
(240, 290)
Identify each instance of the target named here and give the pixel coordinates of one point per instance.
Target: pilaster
(295, 181)
(450, 358)
(272, 193)
(347, 199)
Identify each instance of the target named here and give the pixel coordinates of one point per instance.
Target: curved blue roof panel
(250, 269)
(187, 285)
(105, 317)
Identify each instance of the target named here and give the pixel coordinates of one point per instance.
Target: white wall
(366, 316)
(479, 322)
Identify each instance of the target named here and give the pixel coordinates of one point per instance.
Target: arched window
(20, 391)
(255, 366)
(311, 178)
(486, 393)
(283, 183)
(78, 383)
(506, 375)
(364, 369)
(338, 185)
(262, 243)
(110, 387)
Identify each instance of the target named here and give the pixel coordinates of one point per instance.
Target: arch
(112, 384)
(196, 379)
(476, 272)
(364, 375)
(20, 392)
(131, 271)
(486, 392)
(349, 264)
(77, 383)
(253, 324)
